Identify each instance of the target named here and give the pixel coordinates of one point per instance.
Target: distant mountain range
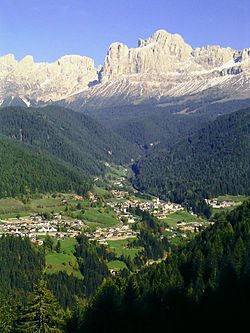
(162, 68)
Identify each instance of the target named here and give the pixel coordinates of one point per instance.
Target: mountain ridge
(162, 65)
(72, 137)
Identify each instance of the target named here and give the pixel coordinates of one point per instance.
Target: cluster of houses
(157, 207)
(221, 204)
(184, 228)
(102, 235)
(120, 203)
(34, 225)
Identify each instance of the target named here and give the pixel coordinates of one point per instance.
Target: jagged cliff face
(165, 66)
(34, 82)
(163, 56)
(162, 65)
(155, 55)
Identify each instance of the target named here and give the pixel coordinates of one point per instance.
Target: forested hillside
(205, 282)
(165, 122)
(23, 172)
(147, 123)
(21, 265)
(70, 136)
(212, 162)
(93, 269)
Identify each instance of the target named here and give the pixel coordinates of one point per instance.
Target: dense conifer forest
(212, 162)
(165, 121)
(24, 172)
(23, 264)
(54, 149)
(70, 136)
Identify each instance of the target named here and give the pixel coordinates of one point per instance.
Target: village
(222, 204)
(120, 201)
(34, 226)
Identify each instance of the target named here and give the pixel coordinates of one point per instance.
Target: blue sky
(49, 29)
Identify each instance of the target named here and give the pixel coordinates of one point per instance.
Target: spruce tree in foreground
(43, 313)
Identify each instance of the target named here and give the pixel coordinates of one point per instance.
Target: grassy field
(68, 245)
(116, 264)
(115, 172)
(97, 219)
(11, 207)
(119, 247)
(99, 190)
(61, 262)
(235, 198)
(221, 210)
(180, 216)
(10, 203)
(64, 261)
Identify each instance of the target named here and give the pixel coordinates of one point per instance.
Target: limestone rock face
(34, 82)
(155, 55)
(212, 56)
(165, 54)
(163, 65)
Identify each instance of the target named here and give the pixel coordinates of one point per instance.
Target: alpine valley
(124, 190)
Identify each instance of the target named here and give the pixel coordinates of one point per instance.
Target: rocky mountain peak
(34, 82)
(165, 54)
(162, 38)
(27, 61)
(156, 55)
(162, 65)
(8, 59)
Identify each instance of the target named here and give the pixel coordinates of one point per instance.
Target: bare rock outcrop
(165, 54)
(45, 81)
(162, 65)
(165, 65)
(155, 55)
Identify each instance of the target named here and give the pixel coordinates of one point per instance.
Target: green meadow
(11, 207)
(180, 216)
(235, 198)
(120, 247)
(116, 264)
(94, 218)
(64, 261)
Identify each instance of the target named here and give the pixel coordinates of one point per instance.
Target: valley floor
(103, 217)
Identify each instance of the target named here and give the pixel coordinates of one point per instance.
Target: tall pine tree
(43, 314)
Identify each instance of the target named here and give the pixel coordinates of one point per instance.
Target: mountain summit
(167, 54)
(163, 65)
(44, 82)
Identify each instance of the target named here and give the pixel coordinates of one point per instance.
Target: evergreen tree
(43, 314)
(48, 242)
(58, 247)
